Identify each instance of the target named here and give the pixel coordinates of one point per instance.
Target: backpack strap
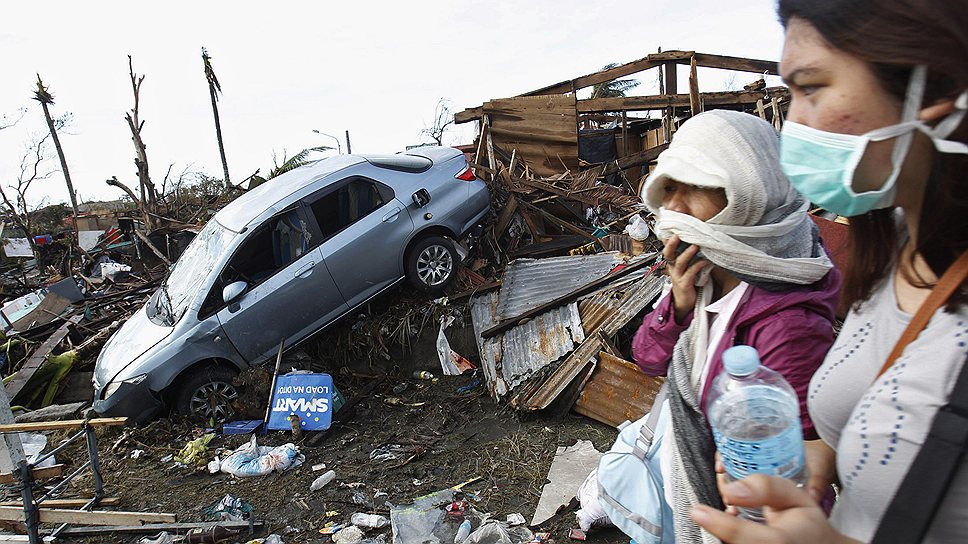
(918, 498)
(647, 431)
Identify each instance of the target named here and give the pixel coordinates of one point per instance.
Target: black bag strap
(919, 496)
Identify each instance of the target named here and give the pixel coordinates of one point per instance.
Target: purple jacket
(792, 330)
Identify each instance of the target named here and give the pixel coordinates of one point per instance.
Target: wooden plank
(106, 501)
(156, 528)
(542, 129)
(470, 114)
(83, 517)
(695, 103)
(502, 221)
(635, 159)
(622, 70)
(62, 425)
(38, 357)
(738, 64)
(663, 101)
(38, 473)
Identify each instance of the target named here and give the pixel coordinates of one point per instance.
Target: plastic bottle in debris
(463, 531)
(374, 521)
(755, 417)
(423, 375)
(318, 483)
(295, 425)
(211, 535)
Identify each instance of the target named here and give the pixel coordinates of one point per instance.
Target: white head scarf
(763, 235)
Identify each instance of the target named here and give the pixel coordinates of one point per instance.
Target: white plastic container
(321, 482)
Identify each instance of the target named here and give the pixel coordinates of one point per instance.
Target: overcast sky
(375, 68)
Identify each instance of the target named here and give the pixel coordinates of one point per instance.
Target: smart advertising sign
(309, 396)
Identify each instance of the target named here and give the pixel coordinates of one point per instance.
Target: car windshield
(188, 274)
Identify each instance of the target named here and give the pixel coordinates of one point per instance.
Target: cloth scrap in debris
(568, 470)
(229, 508)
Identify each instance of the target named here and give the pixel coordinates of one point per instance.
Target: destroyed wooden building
(565, 174)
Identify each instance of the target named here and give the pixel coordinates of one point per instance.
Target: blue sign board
(309, 396)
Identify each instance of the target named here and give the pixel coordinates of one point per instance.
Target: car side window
(272, 246)
(350, 202)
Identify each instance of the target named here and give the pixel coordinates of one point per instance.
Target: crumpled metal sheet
(633, 299)
(510, 359)
(529, 283)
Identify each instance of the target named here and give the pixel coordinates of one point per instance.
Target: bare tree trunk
(146, 217)
(213, 89)
(148, 194)
(43, 96)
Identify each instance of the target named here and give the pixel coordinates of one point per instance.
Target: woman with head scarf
(753, 272)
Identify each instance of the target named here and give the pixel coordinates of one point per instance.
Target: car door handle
(392, 215)
(305, 271)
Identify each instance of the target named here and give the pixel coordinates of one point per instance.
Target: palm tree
(614, 88)
(297, 160)
(46, 99)
(213, 90)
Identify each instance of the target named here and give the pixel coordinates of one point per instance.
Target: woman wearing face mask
(754, 273)
(875, 132)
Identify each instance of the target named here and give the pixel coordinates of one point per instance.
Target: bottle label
(780, 455)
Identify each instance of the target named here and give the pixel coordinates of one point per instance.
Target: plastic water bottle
(318, 483)
(755, 416)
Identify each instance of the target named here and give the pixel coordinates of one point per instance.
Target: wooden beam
(106, 501)
(84, 517)
(663, 101)
(62, 425)
(151, 246)
(622, 70)
(470, 114)
(635, 159)
(157, 528)
(37, 359)
(37, 473)
(695, 103)
(738, 64)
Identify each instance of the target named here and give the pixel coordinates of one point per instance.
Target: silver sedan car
(282, 262)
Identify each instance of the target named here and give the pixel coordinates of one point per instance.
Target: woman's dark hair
(893, 36)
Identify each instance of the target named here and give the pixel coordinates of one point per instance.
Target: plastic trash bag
(498, 532)
(591, 514)
(637, 229)
(254, 460)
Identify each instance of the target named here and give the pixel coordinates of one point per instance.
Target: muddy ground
(449, 431)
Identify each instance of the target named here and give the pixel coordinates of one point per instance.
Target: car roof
(238, 213)
(241, 211)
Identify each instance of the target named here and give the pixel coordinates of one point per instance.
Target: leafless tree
(214, 89)
(7, 121)
(46, 99)
(443, 118)
(148, 193)
(32, 168)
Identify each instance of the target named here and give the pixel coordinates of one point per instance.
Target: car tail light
(466, 175)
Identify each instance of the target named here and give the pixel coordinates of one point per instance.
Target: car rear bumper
(133, 400)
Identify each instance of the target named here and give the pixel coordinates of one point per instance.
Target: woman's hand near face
(792, 516)
(683, 271)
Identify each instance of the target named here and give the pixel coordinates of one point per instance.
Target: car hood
(133, 339)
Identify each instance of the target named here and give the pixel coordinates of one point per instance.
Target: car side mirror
(421, 198)
(233, 291)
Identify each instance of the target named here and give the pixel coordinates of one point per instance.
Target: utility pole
(349, 150)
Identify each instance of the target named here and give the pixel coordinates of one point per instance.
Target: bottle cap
(741, 360)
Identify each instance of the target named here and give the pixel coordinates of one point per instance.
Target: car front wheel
(432, 264)
(208, 394)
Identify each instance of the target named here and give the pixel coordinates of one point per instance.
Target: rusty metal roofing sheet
(511, 358)
(632, 300)
(617, 391)
(529, 283)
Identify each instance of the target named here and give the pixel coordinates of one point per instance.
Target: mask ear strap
(915, 93)
(948, 125)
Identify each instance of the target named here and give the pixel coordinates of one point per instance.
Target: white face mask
(821, 164)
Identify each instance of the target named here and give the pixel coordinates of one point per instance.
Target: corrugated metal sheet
(632, 301)
(617, 391)
(511, 358)
(529, 283)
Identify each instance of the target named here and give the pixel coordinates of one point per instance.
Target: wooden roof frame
(654, 60)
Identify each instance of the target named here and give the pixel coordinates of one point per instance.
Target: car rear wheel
(208, 394)
(432, 264)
